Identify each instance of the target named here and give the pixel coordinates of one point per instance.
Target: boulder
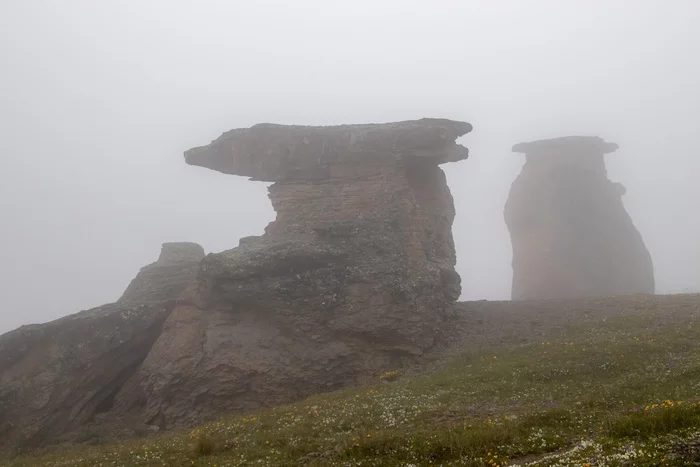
(355, 274)
(570, 232)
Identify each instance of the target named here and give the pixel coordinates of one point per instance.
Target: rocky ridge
(58, 377)
(355, 275)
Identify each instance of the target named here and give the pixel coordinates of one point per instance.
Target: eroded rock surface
(354, 275)
(166, 278)
(57, 377)
(571, 234)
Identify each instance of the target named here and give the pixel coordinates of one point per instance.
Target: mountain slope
(614, 388)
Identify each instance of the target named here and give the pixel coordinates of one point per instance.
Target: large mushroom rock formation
(57, 377)
(571, 234)
(354, 275)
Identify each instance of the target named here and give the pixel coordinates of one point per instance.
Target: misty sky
(98, 100)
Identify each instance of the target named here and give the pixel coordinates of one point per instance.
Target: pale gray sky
(98, 100)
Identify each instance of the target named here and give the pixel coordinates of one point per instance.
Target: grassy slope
(616, 390)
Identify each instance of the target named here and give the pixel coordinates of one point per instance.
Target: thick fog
(98, 100)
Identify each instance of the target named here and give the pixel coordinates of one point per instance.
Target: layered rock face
(57, 377)
(571, 234)
(354, 275)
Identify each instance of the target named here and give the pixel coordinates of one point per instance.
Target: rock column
(570, 232)
(353, 276)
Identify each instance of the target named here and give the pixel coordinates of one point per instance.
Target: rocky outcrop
(166, 278)
(57, 377)
(571, 234)
(354, 275)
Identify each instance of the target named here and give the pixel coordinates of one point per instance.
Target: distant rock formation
(571, 234)
(354, 275)
(57, 377)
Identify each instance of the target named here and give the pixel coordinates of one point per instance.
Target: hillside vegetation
(617, 389)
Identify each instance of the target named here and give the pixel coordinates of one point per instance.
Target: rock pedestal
(353, 276)
(571, 234)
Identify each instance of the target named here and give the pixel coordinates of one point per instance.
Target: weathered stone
(353, 276)
(57, 377)
(571, 234)
(273, 153)
(164, 279)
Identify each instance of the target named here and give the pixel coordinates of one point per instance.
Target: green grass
(622, 390)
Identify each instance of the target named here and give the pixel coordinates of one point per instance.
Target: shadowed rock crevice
(570, 232)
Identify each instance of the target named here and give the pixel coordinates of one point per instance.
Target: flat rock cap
(567, 144)
(270, 152)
